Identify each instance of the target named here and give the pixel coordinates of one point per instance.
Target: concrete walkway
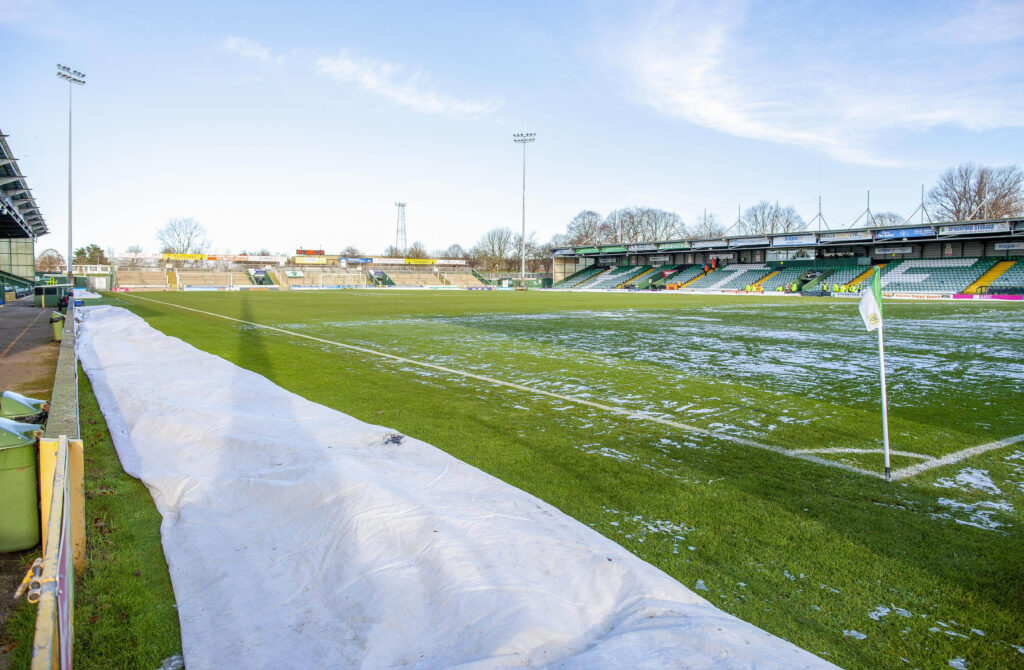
(28, 360)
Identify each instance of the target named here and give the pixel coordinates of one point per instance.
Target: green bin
(22, 408)
(19, 488)
(57, 321)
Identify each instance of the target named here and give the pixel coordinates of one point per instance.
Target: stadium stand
(934, 275)
(414, 278)
(462, 279)
(142, 280)
(574, 280)
(613, 277)
(734, 276)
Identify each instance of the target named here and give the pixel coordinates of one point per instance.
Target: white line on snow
(803, 454)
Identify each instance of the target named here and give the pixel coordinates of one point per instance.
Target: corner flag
(871, 303)
(871, 312)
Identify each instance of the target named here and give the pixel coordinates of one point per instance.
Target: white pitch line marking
(803, 454)
(956, 456)
(854, 450)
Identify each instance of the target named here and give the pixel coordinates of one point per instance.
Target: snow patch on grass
(970, 478)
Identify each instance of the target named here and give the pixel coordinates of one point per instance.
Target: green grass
(125, 614)
(803, 550)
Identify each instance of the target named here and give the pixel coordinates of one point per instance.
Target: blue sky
(300, 124)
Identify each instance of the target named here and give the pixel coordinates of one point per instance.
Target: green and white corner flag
(871, 303)
(871, 312)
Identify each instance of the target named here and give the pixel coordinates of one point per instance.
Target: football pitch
(733, 442)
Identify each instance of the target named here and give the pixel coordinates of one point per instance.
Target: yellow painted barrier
(63, 514)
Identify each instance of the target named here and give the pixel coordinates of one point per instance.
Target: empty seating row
(937, 275)
(462, 279)
(574, 280)
(1014, 276)
(734, 276)
(147, 280)
(613, 277)
(415, 278)
(212, 278)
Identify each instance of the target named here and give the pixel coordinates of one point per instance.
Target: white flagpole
(885, 405)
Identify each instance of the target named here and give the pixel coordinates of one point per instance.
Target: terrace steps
(766, 278)
(993, 273)
(172, 279)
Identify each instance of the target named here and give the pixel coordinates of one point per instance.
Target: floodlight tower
(400, 229)
(78, 78)
(524, 139)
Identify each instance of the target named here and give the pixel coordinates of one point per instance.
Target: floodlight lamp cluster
(73, 76)
(523, 138)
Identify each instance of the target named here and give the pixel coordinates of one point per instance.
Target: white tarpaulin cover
(297, 536)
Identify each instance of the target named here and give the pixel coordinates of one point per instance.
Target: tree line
(967, 192)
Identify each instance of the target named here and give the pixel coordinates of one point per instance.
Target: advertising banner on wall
(749, 242)
(564, 252)
(708, 244)
(1009, 246)
(183, 257)
(969, 228)
(846, 236)
(639, 248)
(670, 246)
(792, 240)
(893, 250)
(310, 260)
(420, 261)
(451, 261)
(904, 233)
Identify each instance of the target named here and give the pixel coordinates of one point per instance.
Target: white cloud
(409, 90)
(750, 72)
(246, 48)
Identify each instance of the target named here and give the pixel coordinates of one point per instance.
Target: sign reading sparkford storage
(633, 248)
(1001, 227)
(904, 233)
(792, 240)
(851, 236)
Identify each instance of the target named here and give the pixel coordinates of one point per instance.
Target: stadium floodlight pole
(524, 139)
(72, 77)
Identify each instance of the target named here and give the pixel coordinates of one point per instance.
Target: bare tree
(888, 219)
(49, 260)
(707, 226)
(394, 252)
(182, 236)
(495, 248)
(454, 251)
(417, 250)
(586, 228)
(349, 251)
(972, 192)
(764, 218)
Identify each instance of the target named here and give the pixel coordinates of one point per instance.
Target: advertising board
(904, 233)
